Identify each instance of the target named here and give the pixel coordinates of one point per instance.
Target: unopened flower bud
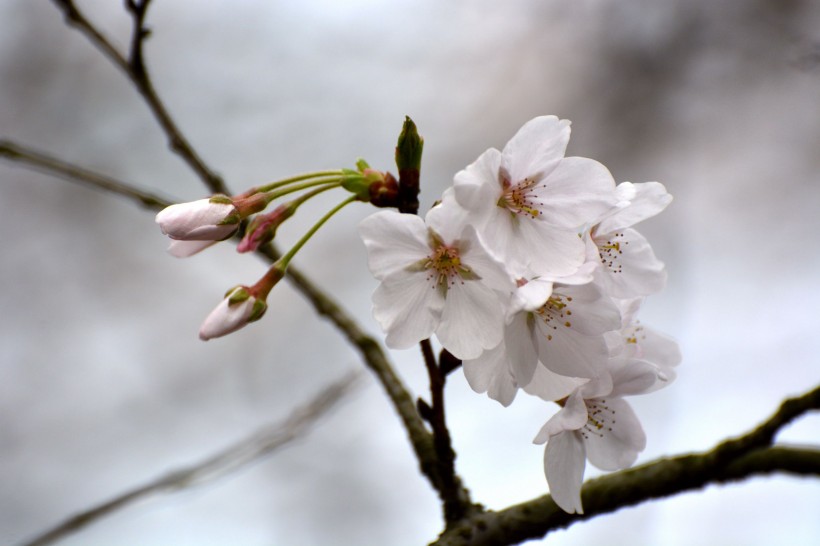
(262, 228)
(384, 192)
(242, 305)
(237, 309)
(212, 219)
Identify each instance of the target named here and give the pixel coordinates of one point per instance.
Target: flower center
(520, 198)
(445, 268)
(600, 419)
(555, 312)
(610, 250)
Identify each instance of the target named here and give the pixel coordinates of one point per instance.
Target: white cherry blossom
(594, 423)
(436, 277)
(629, 267)
(528, 202)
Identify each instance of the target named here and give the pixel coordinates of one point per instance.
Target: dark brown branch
(732, 460)
(454, 496)
(254, 447)
(68, 171)
(135, 69)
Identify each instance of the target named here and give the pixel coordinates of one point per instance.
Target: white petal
(591, 312)
(536, 148)
(393, 241)
(576, 193)
(630, 377)
(650, 199)
(186, 249)
(407, 307)
(572, 354)
(550, 386)
(549, 251)
(520, 344)
(472, 320)
(564, 462)
(475, 256)
(619, 442)
(477, 188)
(571, 417)
(490, 373)
(630, 269)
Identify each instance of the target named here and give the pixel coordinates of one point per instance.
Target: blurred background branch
(255, 447)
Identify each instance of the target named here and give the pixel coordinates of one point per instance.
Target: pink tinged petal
(490, 373)
(536, 148)
(564, 463)
(186, 249)
(550, 386)
(394, 241)
(520, 343)
(576, 193)
(629, 267)
(571, 417)
(650, 199)
(408, 308)
(616, 444)
(472, 320)
(477, 188)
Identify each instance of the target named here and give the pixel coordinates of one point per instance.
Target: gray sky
(104, 383)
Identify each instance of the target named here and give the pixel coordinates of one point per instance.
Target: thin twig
(136, 71)
(732, 460)
(254, 447)
(68, 171)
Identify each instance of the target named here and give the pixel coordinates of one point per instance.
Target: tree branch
(254, 447)
(732, 460)
(454, 496)
(135, 69)
(68, 171)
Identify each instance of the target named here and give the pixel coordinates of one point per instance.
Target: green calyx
(259, 308)
(356, 183)
(220, 199)
(237, 295)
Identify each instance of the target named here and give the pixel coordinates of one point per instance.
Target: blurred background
(105, 385)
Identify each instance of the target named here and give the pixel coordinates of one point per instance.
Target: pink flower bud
(211, 219)
(262, 228)
(237, 309)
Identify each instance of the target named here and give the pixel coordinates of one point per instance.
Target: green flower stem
(285, 260)
(299, 178)
(327, 183)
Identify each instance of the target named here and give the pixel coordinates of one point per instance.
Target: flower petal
(536, 148)
(490, 373)
(618, 445)
(650, 199)
(407, 307)
(393, 241)
(472, 319)
(564, 463)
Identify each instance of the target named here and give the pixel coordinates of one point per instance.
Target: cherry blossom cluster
(530, 271)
